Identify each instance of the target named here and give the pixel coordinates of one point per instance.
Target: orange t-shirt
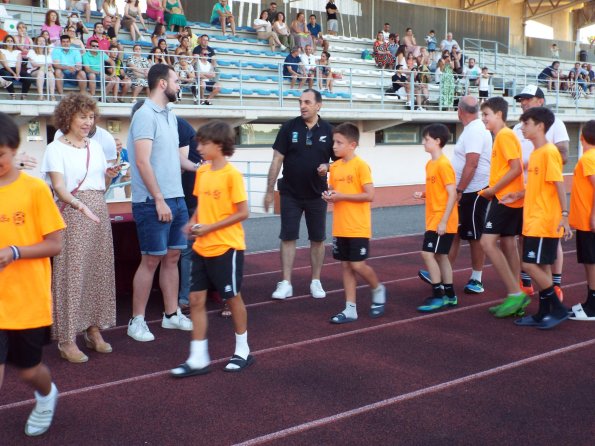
(439, 173)
(507, 147)
(27, 214)
(542, 211)
(581, 198)
(351, 219)
(218, 193)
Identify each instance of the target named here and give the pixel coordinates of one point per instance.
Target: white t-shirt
(447, 45)
(309, 62)
(104, 138)
(484, 83)
(472, 73)
(474, 139)
(39, 59)
(557, 133)
(11, 57)
(72, 162)
(204, 67)
(262, 25)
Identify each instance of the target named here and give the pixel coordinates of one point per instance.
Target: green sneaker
(512, 305)
(450, 301)
(493, 310)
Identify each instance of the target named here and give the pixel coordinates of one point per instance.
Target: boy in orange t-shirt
(30, 233)
(218, 257)
(351, 190)
(442, 219)
(504, 222)
(545, 217)
(582, 218)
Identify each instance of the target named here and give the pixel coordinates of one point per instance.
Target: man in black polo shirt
(304, 147)
(203, 43)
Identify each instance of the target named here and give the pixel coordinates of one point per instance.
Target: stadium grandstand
(255, 96)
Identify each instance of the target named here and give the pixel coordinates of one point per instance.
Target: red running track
(454, 377)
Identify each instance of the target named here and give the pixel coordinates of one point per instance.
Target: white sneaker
(138, 330)
(283, 47)
(283, 291)
(40, 419)
(178, 320)
(316, 289)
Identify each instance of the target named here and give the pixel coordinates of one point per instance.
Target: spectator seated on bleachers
(309, 65)
(155, 11)
(223, 16)
(581, 76)
(82, 6)
(11, 64)
(67, 63)
(162, 45)
(23, 41)
(299, 32)
(130, 19)
(325, 73)
(100, 36)
(51, 24)
(158, 33)
(138, 69)
(108, 26)
(264, 31)
(591, 75)
(282, 30)
(203, 44)
(187, 32)
(186, 74)
(449, 43)
(316, 31)
(156, 56)
(206, 73)
(399, 80)
(382, 56)
(472, 73)
(109, 9)
(174, 14)
(40, 68)
(94, 62)
(117, 73)
(75, 42)
(550, 77)
(393, 46)
(183, 47)
(410, 43)
(292, 68)
(79, 27)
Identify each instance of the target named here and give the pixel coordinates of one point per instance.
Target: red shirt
(104, 42)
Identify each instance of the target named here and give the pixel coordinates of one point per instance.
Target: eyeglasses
(94, 46)
(309, 138)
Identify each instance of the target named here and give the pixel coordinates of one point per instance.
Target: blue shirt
(70, 57)
(159, 125)
(314, 30)
(293, 62)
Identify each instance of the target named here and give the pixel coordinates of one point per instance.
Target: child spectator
(504, 222)
(442, 219)
(484, 84)
(219, 247)
(545, 217)
(31, 234)
(431, 42)
(582, 218)
(352, 221)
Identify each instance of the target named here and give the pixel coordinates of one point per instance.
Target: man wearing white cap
(532, 96)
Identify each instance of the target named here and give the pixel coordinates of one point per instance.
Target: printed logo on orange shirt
(18, 218)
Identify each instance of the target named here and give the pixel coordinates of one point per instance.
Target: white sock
(199, 354)
(476, 275)
(350, 310)
(242, 349)
(43, 401)
(379, 294)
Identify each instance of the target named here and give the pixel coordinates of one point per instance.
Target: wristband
(16, 254)
(564, 213)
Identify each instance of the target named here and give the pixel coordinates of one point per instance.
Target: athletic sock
(379, 294)
(242, 348)
(449, 290)
(199, 354)
(437, 290)
(350, 310)
(557, 279)
(526, 279)
(545, 303)
(170, 315)
(590, 302)
(42, 401)
(476, 275)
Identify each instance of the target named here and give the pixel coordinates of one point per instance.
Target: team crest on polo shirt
(18, 218)
(294, 136)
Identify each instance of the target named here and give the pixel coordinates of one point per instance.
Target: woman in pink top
(52, 26)
(155, 10)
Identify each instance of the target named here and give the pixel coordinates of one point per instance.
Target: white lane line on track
(412, 395)
(273, 349)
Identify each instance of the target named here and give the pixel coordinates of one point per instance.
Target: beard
(171, 95)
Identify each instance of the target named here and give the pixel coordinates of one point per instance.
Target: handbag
(74, 191)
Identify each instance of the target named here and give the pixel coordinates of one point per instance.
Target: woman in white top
(206, 74)
(282, 30)
(83, 283)
(109, 9)
(10, 66)
(40, 67)
(264, 31)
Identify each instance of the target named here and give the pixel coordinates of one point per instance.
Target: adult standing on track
(532, 96)
(471, 161)
(158, 203)
(304, 147)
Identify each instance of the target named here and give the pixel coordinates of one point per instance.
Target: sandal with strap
(240, 362)
(342, 318)
(376, 310)
(184, 370)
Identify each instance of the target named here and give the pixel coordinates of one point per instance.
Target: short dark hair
(96, 25)
(9, 137)
(317, 95)
(138, 104)
(312, 15)
(588, 132)
(497, 104)
(156, 73)
(437, 131)
(327, 54)
(349, 130)
(64, 37)
(538, 115)
(218, 132)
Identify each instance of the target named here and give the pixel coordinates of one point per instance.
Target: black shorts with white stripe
(540, 250)
(438, 244)
(472, 215)
(222, 273)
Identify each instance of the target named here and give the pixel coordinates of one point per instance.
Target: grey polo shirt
(160, 125)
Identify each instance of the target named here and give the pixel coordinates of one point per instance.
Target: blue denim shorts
(156, 237)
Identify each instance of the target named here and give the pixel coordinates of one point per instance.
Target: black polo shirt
(300, 176)
(197, 49)
(188, 138)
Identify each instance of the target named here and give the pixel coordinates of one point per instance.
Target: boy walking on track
(582, 218)
(218, 260)
(545, 217)
(504, 222)
(442, 219)
(30, 233)
(351, 190)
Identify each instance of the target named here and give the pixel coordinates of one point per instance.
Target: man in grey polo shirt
(158, 204)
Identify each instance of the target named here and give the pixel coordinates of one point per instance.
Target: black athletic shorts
(23, 348)
(585, 247)
(438, 244)
(351, 249)
(503, 220)
(222, 273)
(472, 215)
(291, 213)
(540, 250)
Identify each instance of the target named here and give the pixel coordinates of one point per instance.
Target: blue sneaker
(425, 276)
(474, 287)
(432, 304)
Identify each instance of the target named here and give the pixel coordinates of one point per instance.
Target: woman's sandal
(99, 348)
